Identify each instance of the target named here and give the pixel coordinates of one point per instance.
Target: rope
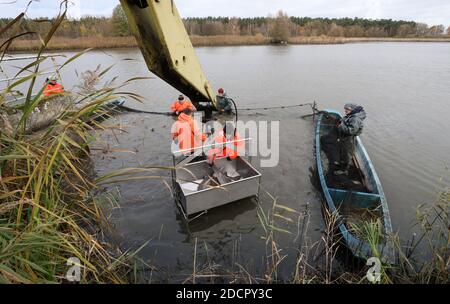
(235, 117)
(146, 112)
(312, 105)
(279, 107)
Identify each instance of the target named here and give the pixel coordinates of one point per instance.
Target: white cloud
(75, 10)
(431, 11)
(375, 10)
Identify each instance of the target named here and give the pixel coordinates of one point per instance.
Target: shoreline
(66, 44)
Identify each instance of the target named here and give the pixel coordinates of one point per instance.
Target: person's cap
(181, 97)
(53, 78)
(221, 91)
(350, 106)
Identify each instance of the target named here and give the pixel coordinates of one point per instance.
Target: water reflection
(236, 218)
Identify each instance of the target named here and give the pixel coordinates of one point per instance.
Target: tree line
(279, 27)
(281, 24)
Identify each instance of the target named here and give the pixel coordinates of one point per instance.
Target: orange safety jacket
(53, 89)
(228, 150)
(187, 132)
(177, 106)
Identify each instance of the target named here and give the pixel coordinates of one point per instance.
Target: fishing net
(331, 150)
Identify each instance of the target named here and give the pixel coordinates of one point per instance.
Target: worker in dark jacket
(348, 128)
(224, 101)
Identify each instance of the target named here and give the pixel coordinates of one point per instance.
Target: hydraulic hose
(235, 116)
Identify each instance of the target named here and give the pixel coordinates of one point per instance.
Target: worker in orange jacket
(179, 105)
(230, 150)
(52, 87)
(187, 131)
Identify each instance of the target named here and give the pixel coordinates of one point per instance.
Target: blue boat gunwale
(359, 247)
(354, 192)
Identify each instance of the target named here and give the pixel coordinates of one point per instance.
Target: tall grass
(316, 40)
(48, 213)
(226, 40)
(434, 239)
(62, 43)
(268, 220)
(432, 242)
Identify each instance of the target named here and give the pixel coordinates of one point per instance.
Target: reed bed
(397, 39)
(410, 268)
(344, 40)
(316, 40)
(62, 43)
(47, 211)
(50, 219)
(101, 42)
(229, 40)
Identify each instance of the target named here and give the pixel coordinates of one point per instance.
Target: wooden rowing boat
(356, 199)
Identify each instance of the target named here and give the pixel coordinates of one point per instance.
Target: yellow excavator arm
(166, 47)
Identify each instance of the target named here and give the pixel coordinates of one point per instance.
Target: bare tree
(354, 31)
(436, 30)
(120, 22)
(279, 28)
(421, 29)
(375, 32)
(233, 27)
(405, 30)
(211, 28)
(192, 27)
(336, 30)
(316, 28)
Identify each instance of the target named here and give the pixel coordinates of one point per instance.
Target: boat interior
(192, 176)
(354, 195)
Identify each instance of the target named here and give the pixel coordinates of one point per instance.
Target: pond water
(404, 88)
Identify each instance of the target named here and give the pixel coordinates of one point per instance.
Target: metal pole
(210, 146)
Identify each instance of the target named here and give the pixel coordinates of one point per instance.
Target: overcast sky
(428, 11)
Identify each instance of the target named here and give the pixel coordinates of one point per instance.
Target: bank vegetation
(52, 223)
(114, 32)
